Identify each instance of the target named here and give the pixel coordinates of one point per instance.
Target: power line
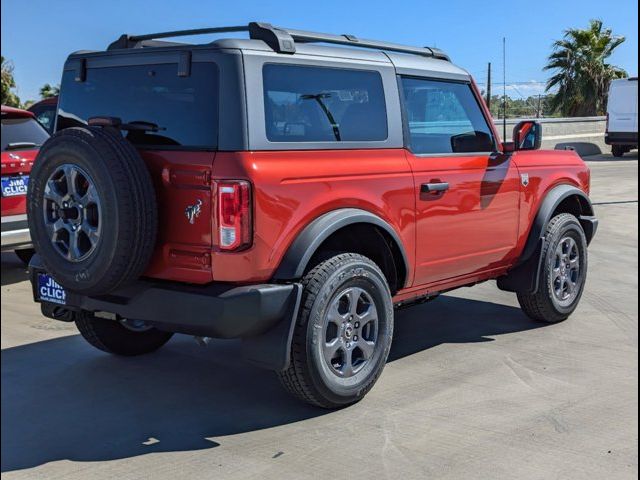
(514, 83)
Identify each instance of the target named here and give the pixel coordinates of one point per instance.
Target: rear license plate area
(48, 290)
(14, 186)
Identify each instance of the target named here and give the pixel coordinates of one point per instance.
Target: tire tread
(295, 378)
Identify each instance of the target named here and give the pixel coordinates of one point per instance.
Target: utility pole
(539, 105)
(489, 86)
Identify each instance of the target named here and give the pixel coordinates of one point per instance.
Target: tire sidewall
(88, 272)
(569, 228)
(330, 386)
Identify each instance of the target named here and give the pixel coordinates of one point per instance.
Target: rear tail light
(233, 214)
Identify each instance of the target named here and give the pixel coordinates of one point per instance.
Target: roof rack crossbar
(282, 40)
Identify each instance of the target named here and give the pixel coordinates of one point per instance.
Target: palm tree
(581, 74)
(47, 91)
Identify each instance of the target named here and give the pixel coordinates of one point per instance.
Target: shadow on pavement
(631, 156)
(61, 399)
(581, 148)
(13, 270)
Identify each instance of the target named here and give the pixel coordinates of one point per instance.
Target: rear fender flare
(295, 261)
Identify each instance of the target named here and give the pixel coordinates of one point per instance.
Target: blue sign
(50, 291)
(13, 186)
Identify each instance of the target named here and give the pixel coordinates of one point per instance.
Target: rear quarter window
(322, 104)
(182, 109)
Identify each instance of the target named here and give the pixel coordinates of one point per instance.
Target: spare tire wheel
(92, 210)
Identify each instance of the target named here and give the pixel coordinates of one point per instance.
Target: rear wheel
(343, 334)
(120, 337)
(618, 150)
(563, 272)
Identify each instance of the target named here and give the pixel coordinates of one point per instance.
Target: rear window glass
(315, 104)
(21, 133)
(182, 111)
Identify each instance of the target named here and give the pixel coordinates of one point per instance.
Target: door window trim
(406, 134)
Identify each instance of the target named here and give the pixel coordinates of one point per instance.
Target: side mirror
(508, 147)
(527, 135)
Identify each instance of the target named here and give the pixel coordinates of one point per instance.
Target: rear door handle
(434, 187)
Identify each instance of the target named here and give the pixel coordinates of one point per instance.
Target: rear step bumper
(258, 314)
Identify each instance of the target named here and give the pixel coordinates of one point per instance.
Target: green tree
(8, 84)
(48, 91)
(581, 73)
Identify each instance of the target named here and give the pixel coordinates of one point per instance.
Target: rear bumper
(262, 315)
(621, 138)
(15, 232)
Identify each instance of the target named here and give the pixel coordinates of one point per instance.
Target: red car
(22, 135)
(291, 194)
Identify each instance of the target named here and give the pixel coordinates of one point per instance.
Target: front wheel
(563, 272)
(343, 334)
(120, 337)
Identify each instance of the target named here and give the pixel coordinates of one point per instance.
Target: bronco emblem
(193, 211)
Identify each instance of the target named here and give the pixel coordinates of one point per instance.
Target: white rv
(622, 116)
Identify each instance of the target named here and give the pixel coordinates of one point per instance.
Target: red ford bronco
(291, 193)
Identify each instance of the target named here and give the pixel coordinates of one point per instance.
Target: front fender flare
(524, 276)
(551, 201)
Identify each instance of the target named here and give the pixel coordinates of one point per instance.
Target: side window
(46, 116)
(444, 117)
(319, 104)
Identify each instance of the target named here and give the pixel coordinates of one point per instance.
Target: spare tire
(92, 210)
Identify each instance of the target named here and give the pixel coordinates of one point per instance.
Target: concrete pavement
(473, 389)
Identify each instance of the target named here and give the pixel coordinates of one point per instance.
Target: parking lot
(473, 389)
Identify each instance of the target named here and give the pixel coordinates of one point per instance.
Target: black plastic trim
(524, 276)
(621, 138)
(306, 244)
(545, 212)
(215, 310)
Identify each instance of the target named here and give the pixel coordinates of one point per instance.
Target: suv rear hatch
(22, 135)
(176, 107)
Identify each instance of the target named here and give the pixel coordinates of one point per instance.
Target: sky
(38, 35)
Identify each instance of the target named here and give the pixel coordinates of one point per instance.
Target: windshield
(22, 133)
(182, 109)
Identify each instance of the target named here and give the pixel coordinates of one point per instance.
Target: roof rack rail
(281, 40)
(353, 41)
